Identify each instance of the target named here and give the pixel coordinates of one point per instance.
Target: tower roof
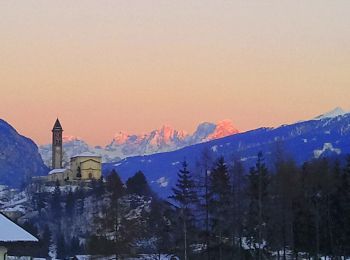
(57, 125)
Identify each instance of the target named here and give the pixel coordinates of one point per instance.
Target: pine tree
(116, 190)
(70, 201)
(138, 184)
(257, 213)
(45, 241)
(203, 167)
(56, 199)
(184, 194)
(337, 211)
(114, 185)
(159, 226)
(79, 203)
(74, 246)
(345, 200)
(220, 204)
(100, 187)
(280, 210)
(61, 247)
(238, 180)
(303, 220)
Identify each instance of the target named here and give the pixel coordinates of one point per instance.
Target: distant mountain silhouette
(19, 157)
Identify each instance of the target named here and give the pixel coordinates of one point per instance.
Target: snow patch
(326, 147)
(338, 111)
(214, 148)
(163, 182)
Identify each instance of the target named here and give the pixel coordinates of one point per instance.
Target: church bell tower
(57, 151)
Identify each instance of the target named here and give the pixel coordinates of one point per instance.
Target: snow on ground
(23, 258)
(163, 182)
(12, 200)
(326, 147)
(338, 111)
(140, 257)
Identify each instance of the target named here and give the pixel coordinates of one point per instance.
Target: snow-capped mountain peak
(121, 137)
(338, 111)
(223, 128)
(164, 139)
(70, 138)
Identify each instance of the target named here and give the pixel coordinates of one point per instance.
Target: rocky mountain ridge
(19, 157)
(123, 145)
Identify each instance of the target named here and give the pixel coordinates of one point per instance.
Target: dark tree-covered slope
(19, 157)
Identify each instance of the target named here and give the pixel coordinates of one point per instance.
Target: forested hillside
(222, 211)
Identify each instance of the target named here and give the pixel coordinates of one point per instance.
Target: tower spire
(57, 125)
(57, 149)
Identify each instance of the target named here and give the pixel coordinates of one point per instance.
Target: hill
(19, 157)
(325, 136)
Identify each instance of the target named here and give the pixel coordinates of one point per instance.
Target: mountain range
(124, 145)
(160, 152)
(324, 136)
(19, 157)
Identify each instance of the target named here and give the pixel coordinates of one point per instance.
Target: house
(11, 233)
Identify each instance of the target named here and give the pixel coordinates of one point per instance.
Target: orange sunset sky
(105, 66)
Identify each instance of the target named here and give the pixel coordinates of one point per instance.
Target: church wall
(61, 177)
(90, 167)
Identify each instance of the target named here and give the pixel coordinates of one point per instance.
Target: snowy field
(88, 257)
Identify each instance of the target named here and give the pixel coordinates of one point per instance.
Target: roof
(86, 154)
(57, 125)
(54, 171)
(11, 232)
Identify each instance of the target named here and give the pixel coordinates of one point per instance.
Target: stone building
(83, 167)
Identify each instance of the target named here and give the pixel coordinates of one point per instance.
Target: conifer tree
(345, 200)
(79, 203)
(114, 185)
(337, 211)
(100, 187)
(203, 186)
(220, 202)
(238, 180)
(116, 190)
(61, 247)
(56, 202)
(138, 184)
(257, 213)
(45, 241)
(283, 188)
(184, 194)
(70, 200)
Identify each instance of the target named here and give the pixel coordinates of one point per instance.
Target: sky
(106, 66)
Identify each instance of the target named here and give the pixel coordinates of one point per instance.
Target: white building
(10, 233)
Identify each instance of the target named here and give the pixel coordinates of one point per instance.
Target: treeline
(99, 217)
(218, 210)
(283, 211)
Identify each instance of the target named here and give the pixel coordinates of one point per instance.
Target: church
(83, 167)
